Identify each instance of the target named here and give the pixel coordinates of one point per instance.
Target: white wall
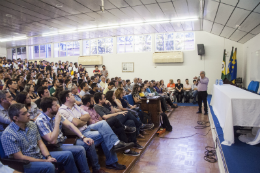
(3, 50)
(144, 67)
(250, 48)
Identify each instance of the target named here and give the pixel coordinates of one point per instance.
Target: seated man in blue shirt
(21, 140)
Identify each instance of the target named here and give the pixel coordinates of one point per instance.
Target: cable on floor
(202, 124)
(210, 154)
(188, 136)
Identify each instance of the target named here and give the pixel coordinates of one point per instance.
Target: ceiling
(237, 20)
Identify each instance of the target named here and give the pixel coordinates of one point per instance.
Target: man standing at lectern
(202, 92)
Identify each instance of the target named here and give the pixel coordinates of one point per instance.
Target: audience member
(84, 89)
(20, 82)
(128, 86)
(31, 147)
(67, 84)
(109, 87)
(119, 129)
(24, 98)
(97, 72)
(56, 83)
(194, 88)
(134, 83)
(5, 168)
(94, 88)
(103, 83)
(5, 102)
(187, 91)
(179, 91)
(75, 93)
(42, 92)
(103, 134)
(12, 85)
(50, 124)
(106, 110)
(104, 72)
(135, 94)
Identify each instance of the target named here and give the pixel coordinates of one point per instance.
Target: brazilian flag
(228, 76)
(223, 75)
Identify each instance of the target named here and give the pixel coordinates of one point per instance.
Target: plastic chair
(130, 99)
(255, 87)
(249, 88)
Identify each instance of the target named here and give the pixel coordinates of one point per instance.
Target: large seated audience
(42, 104)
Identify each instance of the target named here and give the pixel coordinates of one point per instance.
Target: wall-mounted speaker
(201, 50)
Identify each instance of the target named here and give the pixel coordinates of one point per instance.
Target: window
(14, 53)
(98, 46)
(175, 41)
(139, 43)
(17, 52)
(62, 49)
(40, 51)
(66, 49)
(73, 48)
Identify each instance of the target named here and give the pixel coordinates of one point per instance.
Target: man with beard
(50, 124)
(5, 101)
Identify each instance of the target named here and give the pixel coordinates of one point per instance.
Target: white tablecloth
(235, 107)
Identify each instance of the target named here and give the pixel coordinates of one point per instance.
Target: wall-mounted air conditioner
(166, 57)
(91, 60)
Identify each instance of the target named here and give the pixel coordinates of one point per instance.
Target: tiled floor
(179, 155)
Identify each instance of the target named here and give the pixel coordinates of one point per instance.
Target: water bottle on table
(220, 82)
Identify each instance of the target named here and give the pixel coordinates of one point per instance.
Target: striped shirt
(15, 139)
(46, 125)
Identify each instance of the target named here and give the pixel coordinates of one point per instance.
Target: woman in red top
(171, 89)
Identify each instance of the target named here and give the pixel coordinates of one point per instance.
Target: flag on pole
(223, 75)
(228, 76)
(233, 71)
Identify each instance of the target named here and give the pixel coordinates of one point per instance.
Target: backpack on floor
(165, 122)
(147, 118)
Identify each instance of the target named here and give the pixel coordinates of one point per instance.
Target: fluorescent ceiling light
(121, 25)
(13, 39)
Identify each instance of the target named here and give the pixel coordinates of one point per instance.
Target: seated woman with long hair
(24, 98)
(58, 90)
(142, 91)
(135, 94)
(29, 88)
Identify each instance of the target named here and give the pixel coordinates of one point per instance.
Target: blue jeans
(103, 135)
(194, 95)
(79, 154)
(63, 157)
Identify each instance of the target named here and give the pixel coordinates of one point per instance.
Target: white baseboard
(221, 159)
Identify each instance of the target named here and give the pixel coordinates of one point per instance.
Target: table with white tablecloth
(234, 106)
